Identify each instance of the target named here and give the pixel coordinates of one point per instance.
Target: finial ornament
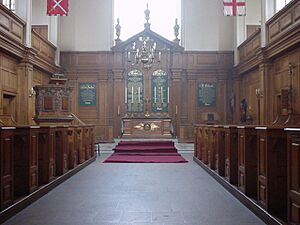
(118, 31)
(147, 17)
(176, 31)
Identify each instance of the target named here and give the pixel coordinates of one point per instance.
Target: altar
(147, 127)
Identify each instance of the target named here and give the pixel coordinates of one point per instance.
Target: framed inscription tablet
(207, 94)
(87, 94)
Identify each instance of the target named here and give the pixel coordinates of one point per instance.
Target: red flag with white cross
(57, 7)
(234, 7)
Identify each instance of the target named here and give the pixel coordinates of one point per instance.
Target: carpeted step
(115, 158)
(145, 152)
(144, 148)
(146, 143)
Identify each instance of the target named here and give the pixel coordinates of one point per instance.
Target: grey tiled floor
(137, 194)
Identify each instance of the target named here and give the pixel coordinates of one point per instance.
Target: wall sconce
(259, 93)
(31, 92)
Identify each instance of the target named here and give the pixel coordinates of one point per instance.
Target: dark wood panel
(247, 160)
(6, 168)
(272, 170)
(231, 154)
(293, 156)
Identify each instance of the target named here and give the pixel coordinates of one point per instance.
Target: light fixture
(31, 92)
(143, 52)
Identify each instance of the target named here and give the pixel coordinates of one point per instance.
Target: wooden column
(25, 103)
(265, 95)
(119, 100)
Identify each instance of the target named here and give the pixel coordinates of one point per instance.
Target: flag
(57, 7)
(234, 7)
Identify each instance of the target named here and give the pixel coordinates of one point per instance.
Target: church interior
(222, 86)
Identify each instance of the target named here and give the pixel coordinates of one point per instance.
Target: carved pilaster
(26, 106)
(265, 93)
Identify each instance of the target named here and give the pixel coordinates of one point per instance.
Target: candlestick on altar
(131, 94)
(154, 94)
(139, 95)
(168, 95)
(126, 95)
(161, 94)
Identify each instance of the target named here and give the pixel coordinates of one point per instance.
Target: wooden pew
(220, 150)
(212, 147)
(247, 160)
(6, 167)
(91, 140)
(25, 163)
(86, 142)
(46, 154)
(205, 146)
(272, 170)
(200, 141)
(72, 150)
(79, 144)
(293, 158)
(231, 154)
(196, 138)
(61, 150)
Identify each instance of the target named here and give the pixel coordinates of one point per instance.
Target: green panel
(160, 91)
(87, 94)
(135, 92)
(207, 94)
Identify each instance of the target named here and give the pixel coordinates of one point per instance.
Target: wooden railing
(11, 25)
(45, 49)
(250, 46)
(283, 21)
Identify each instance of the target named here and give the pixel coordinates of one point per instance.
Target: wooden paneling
(46, 154)
(61, 150)
(6, 168)
(26, 160)
(293, 156)
(249, 47)
(106, 115)
(44, 48)
(11, 24)
(42, 30)
(272, 170)
(281, 23)
(231, 154)
(247, 160)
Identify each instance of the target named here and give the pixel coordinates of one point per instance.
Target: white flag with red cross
(57, 7)
(234, 7)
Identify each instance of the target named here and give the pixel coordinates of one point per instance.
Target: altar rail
(259, 165)
(32, 156)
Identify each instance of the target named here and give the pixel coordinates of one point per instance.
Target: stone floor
(137, 194)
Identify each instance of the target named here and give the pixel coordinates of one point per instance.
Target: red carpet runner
(145, 152)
